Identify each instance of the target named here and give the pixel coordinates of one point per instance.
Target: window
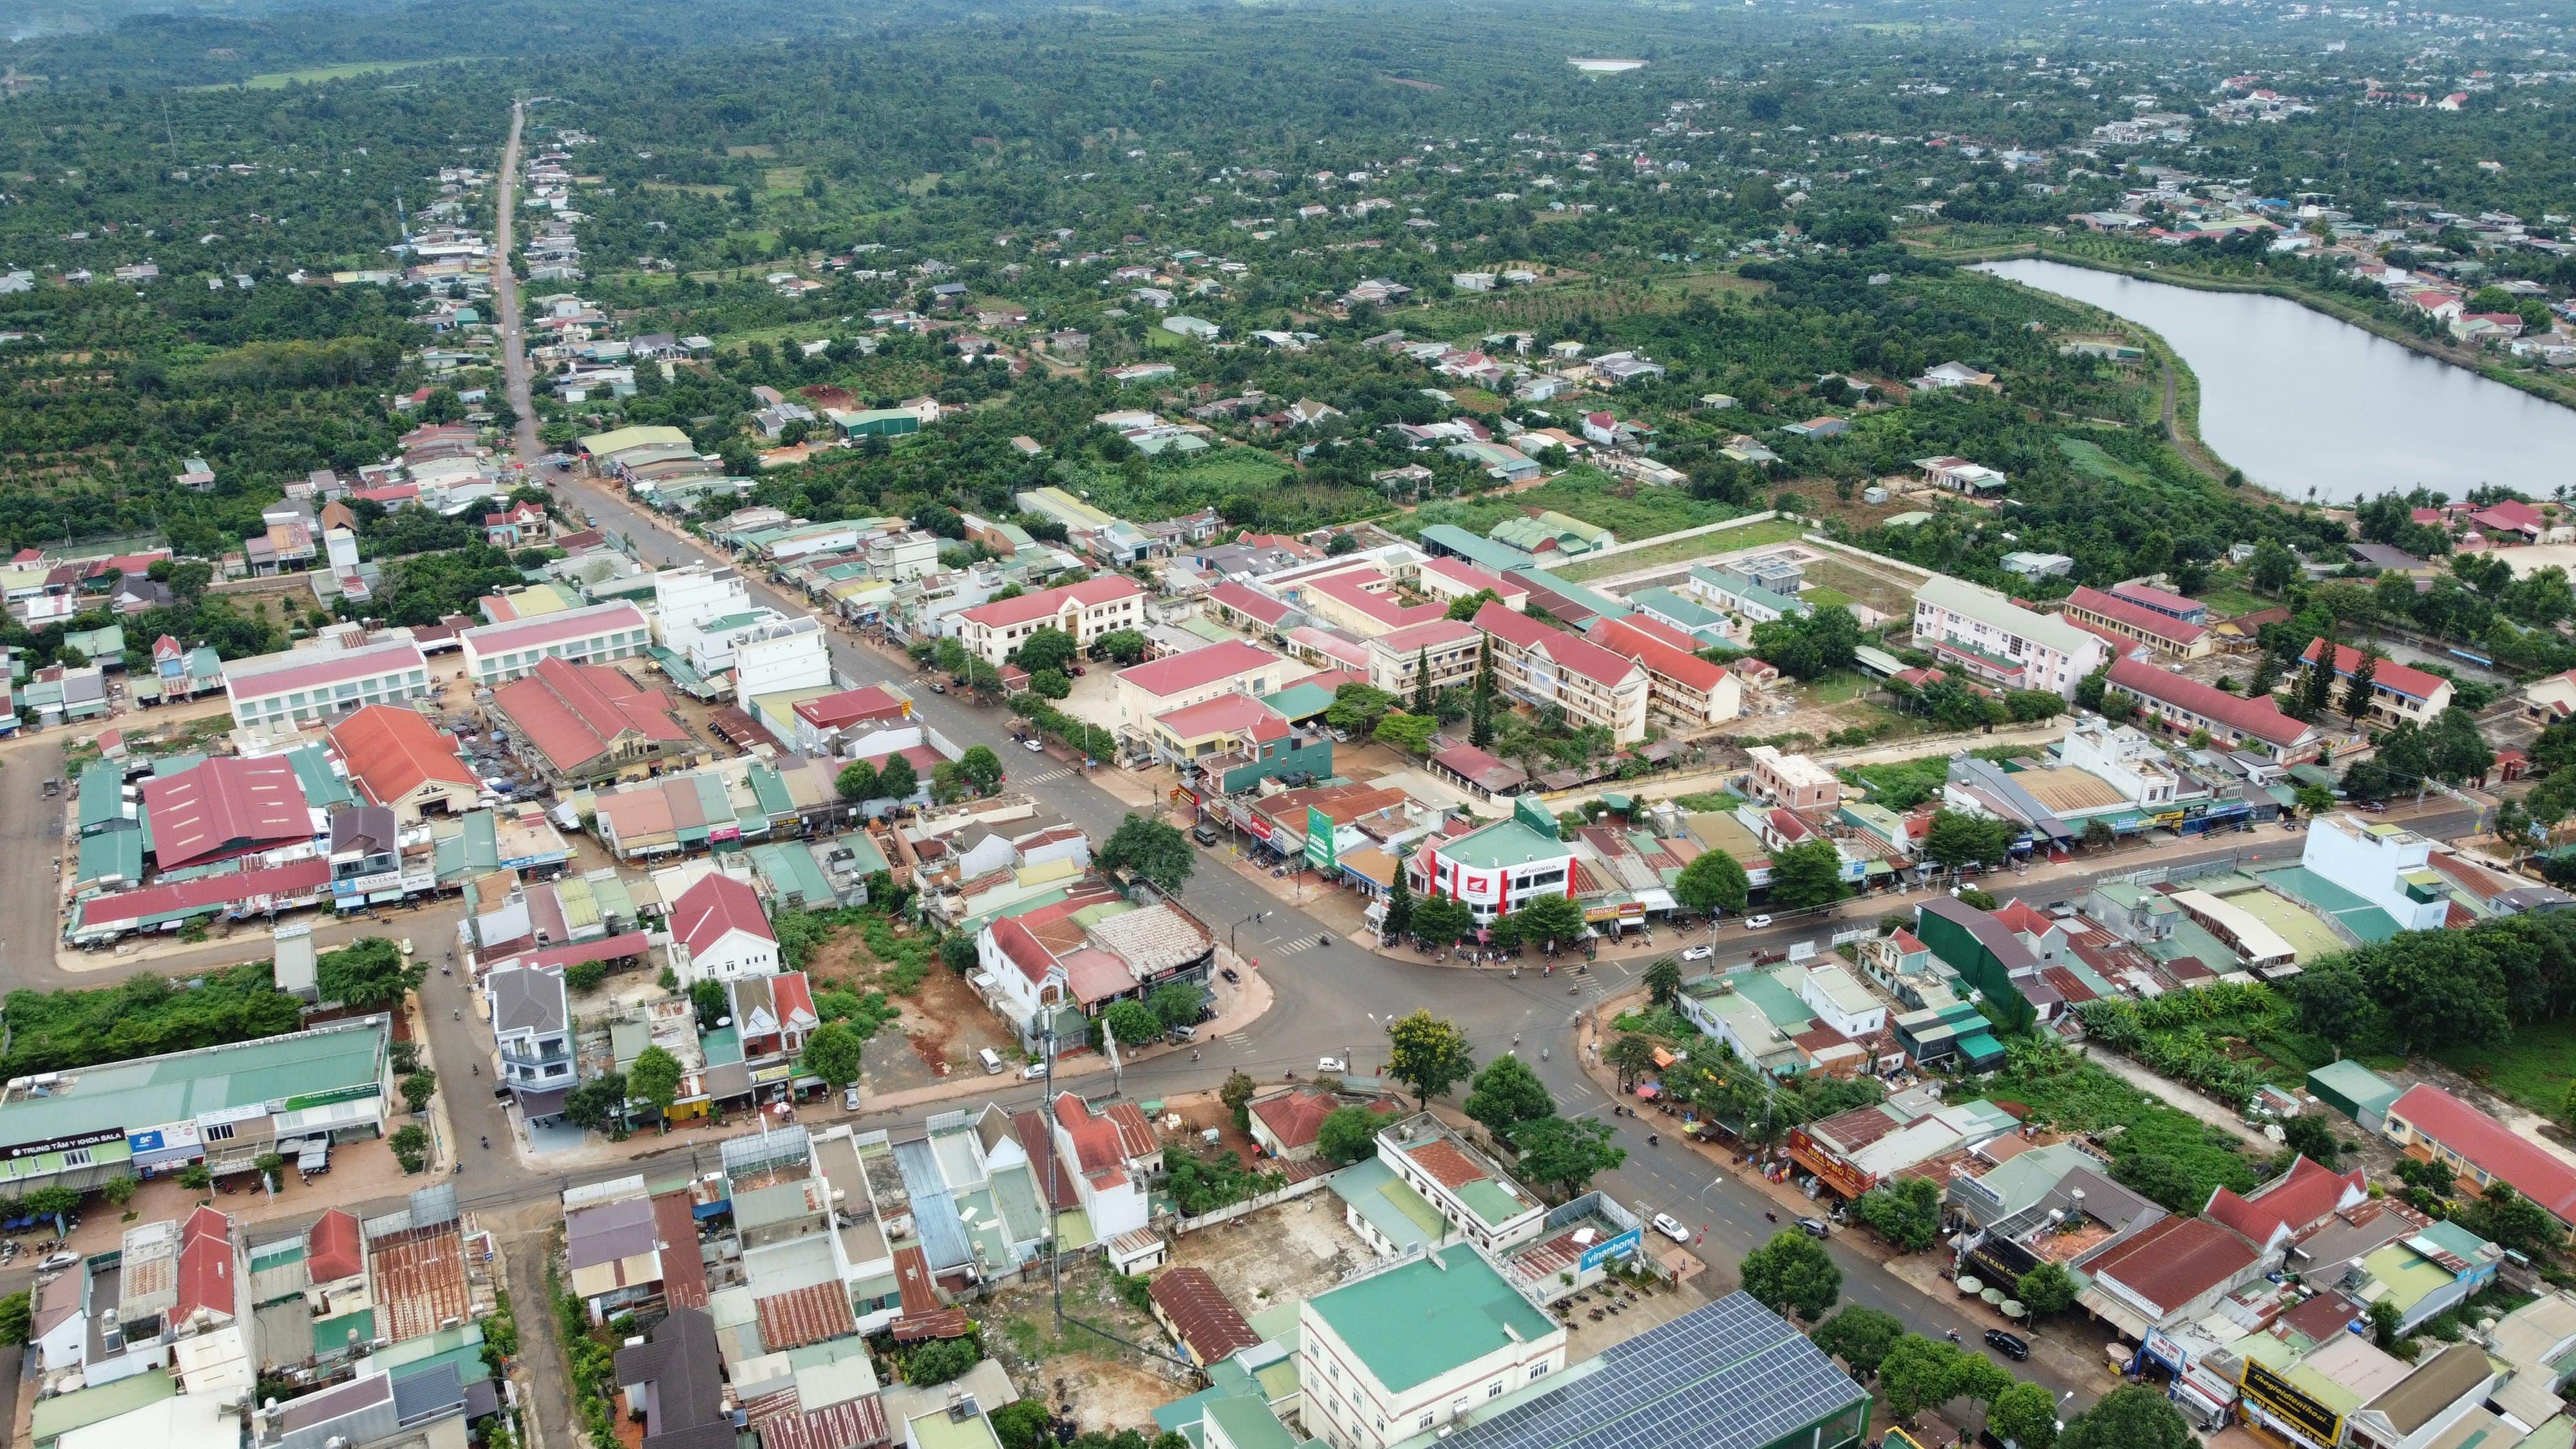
(220, 1132)
(1422, 1423)
(1494, 1389)
(1537, 1371)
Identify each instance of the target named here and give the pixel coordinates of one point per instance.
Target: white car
(1034, 1071)
(56, 1262)
(1699, 953)
(1757, 923)
(1034, 747)
(1665, 1225)
(1331, 1064)
(850, 1099)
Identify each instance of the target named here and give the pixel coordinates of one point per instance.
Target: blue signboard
(142, 1142)
(1623, 1246)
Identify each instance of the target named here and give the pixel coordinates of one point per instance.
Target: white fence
(1231, 1211)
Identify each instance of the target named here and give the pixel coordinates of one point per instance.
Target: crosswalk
(1235, 1041)
(1292, 947)
(1046, 777)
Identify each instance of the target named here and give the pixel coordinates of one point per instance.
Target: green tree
(711, 1003)
(896, 779)
(1505, 1094)
(1121, 647)
(1631, 1056)
(1808, 875)
(834, 1053)
(598, 1105)
(1554, 919)
(1916, 1373)
(1957, 838)
(2314, 800)
(1044, 649)
(1442, 920)
(1024, 1424)
(856, 782)
(368, 974)
(2161, 1180)
(1711, 883)
(585, 976)
(1399, 904)
(982, 766)
(940, 1360)
(1409, 733)
(1348, 1134)
(2046, 1290)
(1356, 707)
(2316, 693)
(1428, 1054)
(1664, 979)
(1157, 851)
(655, 1077)
(1906, 1212)
(17, 1317)
(1860, 1337)
(2131, 1416)
(1236, 1094)
(410, 1147)
(1793, 1272)
(2460, 752)
(53, 1202)
(1177, 1003)
(2024, 1416)
(1566, 1154)
(2359, 691)
(417, 1089)
(1133, 1023)
(2272, 567)
(1050, 684)
(1422, 681)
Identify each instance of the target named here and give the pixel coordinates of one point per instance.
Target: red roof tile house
(2289, 1205)
(774, 1014)
(224, 808)
(1061, 964)
(1087, 610)
(2397, 692)
(2173, 1271)
(1162, 685)
(399, 760)
(213, 1270)
(1678, 682)
(2181, 705)
(1195, 1312)
(1287, 1124)
(1542, 665)
(583, 724)
(2431, 1123)
(1108, 1177)
(720, 933)
(824, 721)
(2130, 620)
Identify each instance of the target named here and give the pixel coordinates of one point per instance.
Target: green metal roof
(181, 1086)
(1435, 1314)
(1503, 844)
(332, 1335)
(1249, 1424)
(102, 795)
(112, 853)
(63, 1413)
(323, 787)
(1299, 701)
(769, 790)
(790, 870)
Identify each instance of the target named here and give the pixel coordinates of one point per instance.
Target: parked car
(1182, 1033)
(56, 1262)
(1699, 953)
(1034, 1071)
(850, 1098)
(1078, 671)
(1204, 834)
(1331, 1064)
(1757, 923)
(1813, 1227)
(2007, 1345)
(1665, 1225)
(1228, 973)
(1034, 747)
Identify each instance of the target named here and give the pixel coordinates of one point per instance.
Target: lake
(2299, 400)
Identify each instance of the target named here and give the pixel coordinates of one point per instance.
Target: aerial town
(1399, 799)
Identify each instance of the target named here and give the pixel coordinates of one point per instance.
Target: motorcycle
(474, 1069)
(487, 1143)
(1654, 1141)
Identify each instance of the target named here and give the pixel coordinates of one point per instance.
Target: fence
(1249, 1205)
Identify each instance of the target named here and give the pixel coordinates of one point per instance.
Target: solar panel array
(1731, 1375)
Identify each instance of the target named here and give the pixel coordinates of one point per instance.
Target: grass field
(2533, 1069)
(1684, 550)
(1627, 510)
(2089, 458)
(317, 74)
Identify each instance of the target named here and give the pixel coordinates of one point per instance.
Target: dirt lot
(942, 1027)
(1098, 1383)
(1281, 1255)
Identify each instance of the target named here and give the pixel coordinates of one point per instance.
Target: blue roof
(934, 1209)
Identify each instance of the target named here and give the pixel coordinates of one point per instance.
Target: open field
(276, 80)
(1686, 550)
(2533, 1070)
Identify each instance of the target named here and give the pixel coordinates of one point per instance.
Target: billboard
(2286, 1402)
(1319, 839)
(1623, 1246)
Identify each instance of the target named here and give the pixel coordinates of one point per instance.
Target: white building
(1087, 610)
(720, 933)
(781, 655)
(498, 653)
(1999, 642)
(682, 597)
(1840, 1001)
(2385, 865)
(303, 686)
(1397, 1353)
(2127, 761)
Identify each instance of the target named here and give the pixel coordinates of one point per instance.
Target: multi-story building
(1447, 646)
(2386, 865)
(1425, 1341)
(2126, 760)
(2184, 706)
(682, 596)
(2113, 614)
(1176, 681)
(1500, 867)
(1543, 665)
(307, 686)
(532, 1025)
(1679, 683)
(1087, 610)
(495, 653)
(2000, 642)
(2398, 693)
(1480, 1201)
(1793, 780)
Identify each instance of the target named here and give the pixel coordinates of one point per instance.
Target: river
(2300, 401)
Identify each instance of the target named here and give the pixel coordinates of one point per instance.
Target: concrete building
(1180, 680)
(399, 760)
(2398, 693)
(1400, 1351)
(1793, 780)
(1085, 611)
(719, 932)
(2383, 864)
(2112, 614)
(1542, 665)
(497, 653)
(311, 685)
(1999, 642)
(1502, 866)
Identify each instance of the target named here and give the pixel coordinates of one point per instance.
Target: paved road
(32, 830)
(505, 294)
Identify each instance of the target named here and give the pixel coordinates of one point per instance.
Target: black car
(2007, 1345)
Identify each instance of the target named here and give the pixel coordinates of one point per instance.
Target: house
(1999, 642)
(2186, 706)
(1287, 1124)
(1955, 374)
(1499, 867)
(1160, 686)
(2160, 631)
(1818, 428)
(2386, 865)
(2172, 1271)
(675, 1382)
(584, 724)
(1194, 1311)
(1084, 611)
(2399, 693)
(1394, 1353)
(1679, 682)
(1794, 781)
(2430, 1123)
(1114, 1155)
(532, 1024)
(719, 932)
(1960, 476)
(399, 760)
(1542, 665)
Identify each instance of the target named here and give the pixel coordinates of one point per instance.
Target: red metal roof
(1447, 1165)
(1199, 1314)
(2295, 1201)
(2137, 616)
(1225, 714)
(2175, 1261)
(869, 701)
(2259, 718)
(225, 807)
(1198, 667)
(205, 1266)
(1659, 655)
(419, 1280)
(2486, 1143)
(2385, 674)
(804, 1315)
(1249, 602)
(1569, 651)
(333, 1249)
(684, 1272)
(544, 629)
(392, 751)
(573, 712)
(715, 905)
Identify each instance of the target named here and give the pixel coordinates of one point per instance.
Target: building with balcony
(1499, 867)
(1679, 683)
(2385, 865)
(1999, 642)
(318, 684)
(1085, 611)
(1542, 665)
(496, 653)
(2397, 693)
(532, 1024)
(1422, 1342)
(1448, 648)
(2183, 705)
(2114, 614)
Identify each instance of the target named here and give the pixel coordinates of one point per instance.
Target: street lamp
(1246, 921)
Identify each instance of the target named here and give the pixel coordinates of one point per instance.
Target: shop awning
(2119, 1315)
